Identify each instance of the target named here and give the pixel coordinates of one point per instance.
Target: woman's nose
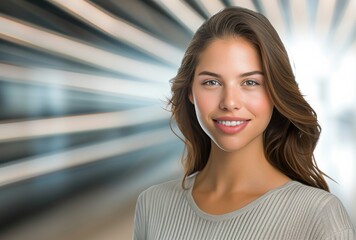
(230, 99)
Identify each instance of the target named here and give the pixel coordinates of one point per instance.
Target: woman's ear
(191, 99)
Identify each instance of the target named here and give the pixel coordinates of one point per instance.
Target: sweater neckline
(232, 214)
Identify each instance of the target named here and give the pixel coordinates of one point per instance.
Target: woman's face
(229, 94)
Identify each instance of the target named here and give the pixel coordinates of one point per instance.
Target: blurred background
(83, 92)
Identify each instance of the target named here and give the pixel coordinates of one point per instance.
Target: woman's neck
(228, 172)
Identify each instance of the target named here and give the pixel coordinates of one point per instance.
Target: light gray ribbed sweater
(292, 211)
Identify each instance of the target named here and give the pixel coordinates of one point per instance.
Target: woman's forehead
(229, 53)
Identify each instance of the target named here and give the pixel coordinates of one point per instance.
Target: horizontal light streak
(36, 166)
(84, 82)
(244, 3)
(299, 12)
(324, 17)
(82, 123)
(121, 30)
(104, 204)
(347, 24)
(181, 11)
(36, 37)
(273, 12)
(212, 6)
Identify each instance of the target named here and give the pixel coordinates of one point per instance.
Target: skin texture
(229, 84)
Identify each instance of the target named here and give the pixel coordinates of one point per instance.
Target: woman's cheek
(259, 101)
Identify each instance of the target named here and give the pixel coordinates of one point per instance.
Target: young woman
(249, 138)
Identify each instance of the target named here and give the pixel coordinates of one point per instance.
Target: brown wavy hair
(293, 132)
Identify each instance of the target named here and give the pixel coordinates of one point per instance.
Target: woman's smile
(231, 127)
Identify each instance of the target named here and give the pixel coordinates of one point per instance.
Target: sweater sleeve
(337, 224)
(139, 220)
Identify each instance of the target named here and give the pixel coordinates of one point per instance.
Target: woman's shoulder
(166, 190)
(308, 201)
(168, 186)
(311, 196)
(324, 207)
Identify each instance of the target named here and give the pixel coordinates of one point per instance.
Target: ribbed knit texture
(292, 211)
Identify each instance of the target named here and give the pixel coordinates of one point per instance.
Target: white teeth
(231, 123)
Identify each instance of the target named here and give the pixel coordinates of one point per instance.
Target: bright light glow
(310, 59)
(85, 82)
(183, 13)
(81, 123)
(121, 30)
(343, 166)
(23, 33)
(311, 66)
(32, 167)
(342, 85)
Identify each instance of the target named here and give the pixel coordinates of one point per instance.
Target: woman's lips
(231, 126)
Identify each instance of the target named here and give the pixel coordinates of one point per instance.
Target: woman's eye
(250, 83)
(211, 83)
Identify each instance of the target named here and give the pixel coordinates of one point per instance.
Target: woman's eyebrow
(209, 73)
(246, 74)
